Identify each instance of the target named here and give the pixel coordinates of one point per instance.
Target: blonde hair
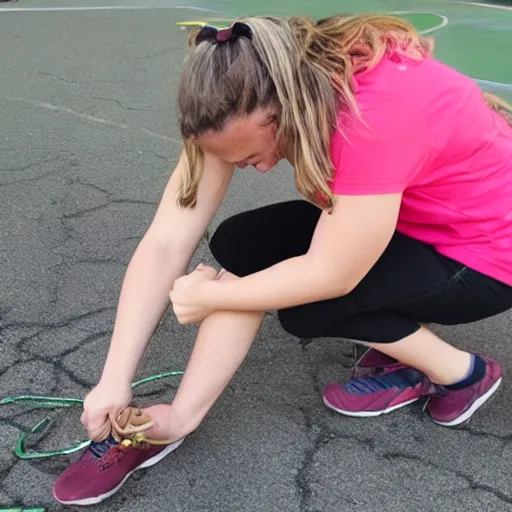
(304, 69)
(500, 105)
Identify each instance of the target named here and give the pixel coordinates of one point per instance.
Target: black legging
(411, 284)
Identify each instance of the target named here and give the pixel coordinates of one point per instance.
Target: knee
(223, 242)
(296, 323)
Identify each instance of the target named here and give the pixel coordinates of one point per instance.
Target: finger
(94, 420)
(84, 418)
(222, 271)
(209, 272)
(101, 432)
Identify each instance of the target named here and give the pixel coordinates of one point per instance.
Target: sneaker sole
(476, 405)
(368, 414)
(146, 464)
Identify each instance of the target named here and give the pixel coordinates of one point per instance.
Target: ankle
(166, 425)
(454, 370)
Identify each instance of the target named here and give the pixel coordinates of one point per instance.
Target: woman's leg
(223, 341)
(423, 350)
(456, 383)
(410, 286)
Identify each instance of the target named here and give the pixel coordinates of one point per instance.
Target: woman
(397, 156)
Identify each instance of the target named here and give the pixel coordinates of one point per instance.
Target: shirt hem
(477, 264)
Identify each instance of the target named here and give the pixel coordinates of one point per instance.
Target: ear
(428, 44)
(272, 115)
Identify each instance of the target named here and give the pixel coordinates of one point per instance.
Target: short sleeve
(381, 152)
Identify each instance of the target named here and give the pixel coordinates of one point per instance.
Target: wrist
(113, 376)
(209, 295)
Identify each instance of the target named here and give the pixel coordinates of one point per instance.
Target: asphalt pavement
(88, 137)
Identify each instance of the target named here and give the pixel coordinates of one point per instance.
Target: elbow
(348, 283)
(340, 287)
(169, 248)
(330, 277)
(335, 283)
(349, 286)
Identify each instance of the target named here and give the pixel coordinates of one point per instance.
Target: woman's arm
(345, 246)
(162, 256)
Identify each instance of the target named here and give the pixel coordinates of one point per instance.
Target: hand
(186, 295)
(106, 397)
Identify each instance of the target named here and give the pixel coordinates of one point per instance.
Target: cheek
(269, 138)
(270, 148)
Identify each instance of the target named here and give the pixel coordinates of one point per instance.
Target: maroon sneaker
(103, 469)
(454, 407)
(373, 361)
(396, 386)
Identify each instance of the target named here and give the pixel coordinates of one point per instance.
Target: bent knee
(296, 323)
(224, 239)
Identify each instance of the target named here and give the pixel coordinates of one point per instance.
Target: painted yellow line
(198, 23)
(191, 23)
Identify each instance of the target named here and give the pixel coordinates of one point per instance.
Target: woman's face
(248, 140)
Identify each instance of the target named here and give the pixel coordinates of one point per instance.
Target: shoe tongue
(375, 359)
(98, 450)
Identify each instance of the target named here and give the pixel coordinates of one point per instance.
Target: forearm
(345, 246)
(290, 283)
(143, 301)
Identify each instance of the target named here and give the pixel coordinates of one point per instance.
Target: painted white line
(87, 117)
(444, 20)
(493, 85)
(59, 108)
(159, 136)
(104, 8)
(489, 84)
(490, 6)
(444, 23)
(438, 27)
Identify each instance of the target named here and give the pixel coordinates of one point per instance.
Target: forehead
(241, 137)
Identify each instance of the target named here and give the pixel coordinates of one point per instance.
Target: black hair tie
(215, 35)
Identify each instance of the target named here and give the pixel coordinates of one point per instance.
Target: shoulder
(383, 147)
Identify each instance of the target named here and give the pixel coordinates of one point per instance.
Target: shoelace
(129, 428)
(439, 391)
(401, 378)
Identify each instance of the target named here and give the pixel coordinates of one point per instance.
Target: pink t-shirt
(429, 134)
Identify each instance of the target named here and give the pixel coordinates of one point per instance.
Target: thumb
(92, 420)
(101, 432)
(97, 425)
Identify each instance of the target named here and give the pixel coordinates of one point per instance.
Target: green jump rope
(49, 402)
(53, 403)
